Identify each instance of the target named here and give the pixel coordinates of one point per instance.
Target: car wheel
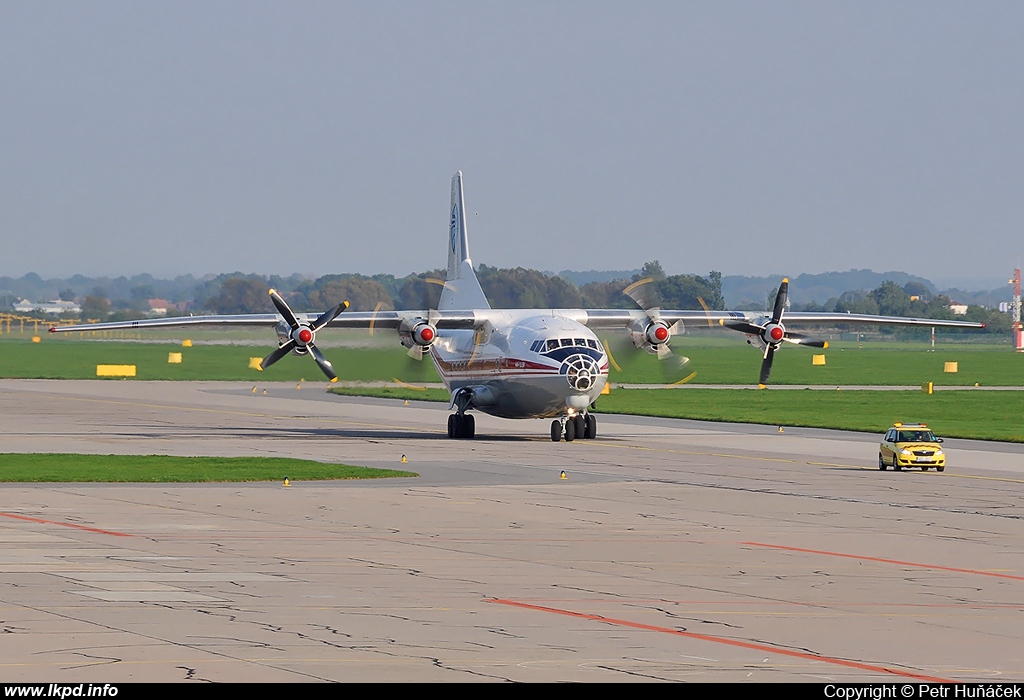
(940, 469)
(881, 462)
(896, 463)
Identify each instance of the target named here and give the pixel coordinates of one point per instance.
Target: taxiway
(673, 550)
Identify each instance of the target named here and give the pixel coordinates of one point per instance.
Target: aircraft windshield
(915, 436)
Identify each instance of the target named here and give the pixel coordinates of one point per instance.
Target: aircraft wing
(608, 319)
(354, 320)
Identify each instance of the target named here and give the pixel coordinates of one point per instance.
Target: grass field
(983, 415)
(167, 469)
(716, 360)
(979, 415)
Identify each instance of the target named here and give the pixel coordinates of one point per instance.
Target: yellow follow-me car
(911, 445)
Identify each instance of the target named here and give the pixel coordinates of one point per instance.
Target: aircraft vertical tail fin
(462, 289)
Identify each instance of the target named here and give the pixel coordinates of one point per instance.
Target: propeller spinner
(301, 335)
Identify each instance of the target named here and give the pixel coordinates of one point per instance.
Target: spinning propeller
(656, 334)
(301, 335)
(772, 333)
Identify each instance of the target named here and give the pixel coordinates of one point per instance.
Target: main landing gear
(582, 425)
(461, 426)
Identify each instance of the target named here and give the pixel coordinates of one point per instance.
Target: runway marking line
(720, 640)
(63, 524)
(883, 560)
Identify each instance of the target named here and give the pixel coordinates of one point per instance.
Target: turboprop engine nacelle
(284, 334)
(773, 334)
(417, 334)
(648, 335)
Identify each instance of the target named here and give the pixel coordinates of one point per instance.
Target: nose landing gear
(582, 425)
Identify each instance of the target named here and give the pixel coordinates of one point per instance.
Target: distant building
(1004, 307)
(958, 309)
(47, 307)
(158, 307)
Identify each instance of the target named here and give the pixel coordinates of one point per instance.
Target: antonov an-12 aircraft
(522, 363)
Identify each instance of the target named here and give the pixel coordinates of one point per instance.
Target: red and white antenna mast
(1017, 328)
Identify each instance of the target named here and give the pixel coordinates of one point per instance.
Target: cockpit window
(579, 342)
(592, 343)
(566, 342)
(552, 345)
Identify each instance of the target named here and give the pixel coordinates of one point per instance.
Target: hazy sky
(751, 138)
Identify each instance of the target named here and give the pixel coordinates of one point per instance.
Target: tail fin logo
(454, 230)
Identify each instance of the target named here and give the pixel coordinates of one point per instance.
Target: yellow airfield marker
(186, 343)
(404, 460)
(817, 359)
(254, 390)
(781, 430)
(264, 392)
(562, 475)
(174, 358)
(286, 482)
(115, 370)
(36, 339)
(298, 386)
(951, 367)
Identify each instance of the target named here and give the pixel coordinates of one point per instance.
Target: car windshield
(915, 436)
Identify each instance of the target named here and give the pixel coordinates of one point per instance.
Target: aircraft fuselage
(524, 364)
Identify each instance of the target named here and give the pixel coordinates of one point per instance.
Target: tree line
(238, 293)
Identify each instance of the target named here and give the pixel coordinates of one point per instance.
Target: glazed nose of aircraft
(580, 371)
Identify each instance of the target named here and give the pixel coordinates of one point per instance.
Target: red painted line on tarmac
(886, 561)
(722, 640)
(57, 522)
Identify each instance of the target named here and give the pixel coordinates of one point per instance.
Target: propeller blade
(277, 354)
(329, 316)
(675, 368)
(283, 309)
(324, 363)
(766, 365)
(780, 300)
(416, 353)
(645, 294)
(743, 327)
(800, 339)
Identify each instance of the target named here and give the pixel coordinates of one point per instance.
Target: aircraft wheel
(556, 430)
(468, 426)
(591, 427)
(451, 426)
(581, 426)
(570, 430)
